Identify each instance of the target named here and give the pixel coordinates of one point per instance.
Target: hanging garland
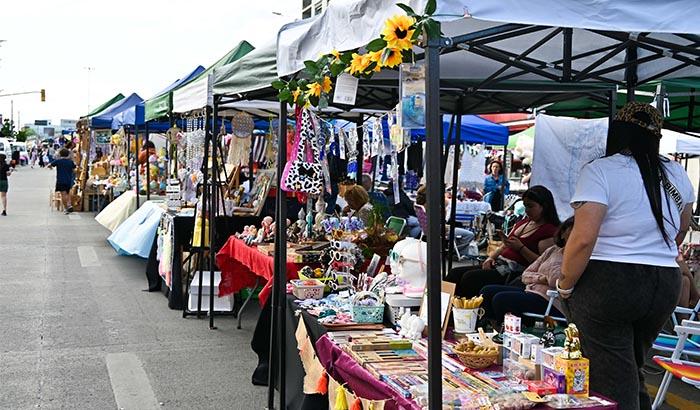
(393, 46)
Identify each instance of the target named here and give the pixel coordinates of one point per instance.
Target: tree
(24, 134)
(8, 129)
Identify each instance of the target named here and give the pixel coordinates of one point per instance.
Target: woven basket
(477, 361)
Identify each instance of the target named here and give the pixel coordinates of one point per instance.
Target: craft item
(572, 345)
(380, 343)
(512, 323)
(476, 356)
(308, 289)
(576, 373)
(367, 307)
(522, 345)
(555, 378)
(542, 388)
(364, 357)
(511, 401)
(411, 326)
(465, 319)
(412, 95)
(549, 356)
(304, 173)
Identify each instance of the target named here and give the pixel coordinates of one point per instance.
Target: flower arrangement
(393, 46)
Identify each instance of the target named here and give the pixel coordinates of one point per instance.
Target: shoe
(4, 213)
(68, 211)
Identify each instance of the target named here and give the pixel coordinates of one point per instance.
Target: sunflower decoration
(391, 57)
(398, 32)
(336, 55)
(314, 89)
(326, 85)
(359, 64)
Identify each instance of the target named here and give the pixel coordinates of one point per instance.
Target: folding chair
(552, 295)
(667, 342)
(687, 371)
(396, 224)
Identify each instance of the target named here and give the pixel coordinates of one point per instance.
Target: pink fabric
(546, 268)
(288, 165)
(345, 369)
(240, 264)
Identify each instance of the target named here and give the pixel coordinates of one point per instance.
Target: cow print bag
(302, 174)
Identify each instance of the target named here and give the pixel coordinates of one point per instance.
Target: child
(64, 177)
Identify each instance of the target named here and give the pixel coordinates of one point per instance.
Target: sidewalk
(78, 332)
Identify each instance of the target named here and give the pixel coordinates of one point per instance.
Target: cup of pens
(466, 312)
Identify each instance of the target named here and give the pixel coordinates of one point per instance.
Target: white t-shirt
(629, 232)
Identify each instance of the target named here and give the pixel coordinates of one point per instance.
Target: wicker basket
(477, 361)
(325, 280)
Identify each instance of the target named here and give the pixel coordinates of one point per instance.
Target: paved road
(78, 332)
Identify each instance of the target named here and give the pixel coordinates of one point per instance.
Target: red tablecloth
(240, 264)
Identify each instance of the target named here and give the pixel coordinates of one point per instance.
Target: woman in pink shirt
(538, 278)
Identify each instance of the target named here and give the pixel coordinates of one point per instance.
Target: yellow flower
(397, 31)
(314, 89)
(295, 94)
(359, 63)
(326, 84)
(392, 58)
(336, 54)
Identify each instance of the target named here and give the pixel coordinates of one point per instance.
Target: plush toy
(411, 326)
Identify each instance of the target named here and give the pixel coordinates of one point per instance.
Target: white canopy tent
(673, 142)
(195, 95)
(348, 25)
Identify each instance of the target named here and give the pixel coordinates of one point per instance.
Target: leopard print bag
(303, 174)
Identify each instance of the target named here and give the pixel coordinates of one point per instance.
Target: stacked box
(576, 372)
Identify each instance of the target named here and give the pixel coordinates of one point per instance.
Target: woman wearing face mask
(520, 248)
(619, 272)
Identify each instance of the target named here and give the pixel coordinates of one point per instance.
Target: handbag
(301, 174)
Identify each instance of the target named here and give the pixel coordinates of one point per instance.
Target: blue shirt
(491, 185)
(64, 170)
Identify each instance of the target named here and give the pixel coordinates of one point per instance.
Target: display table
(240, 264)
(183, 228)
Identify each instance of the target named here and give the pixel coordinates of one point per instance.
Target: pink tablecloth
(240, 264)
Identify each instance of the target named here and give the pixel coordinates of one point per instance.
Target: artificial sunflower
(295, 94)
(390, 57)
(336, 54)
(359, 63)
(397, 31)
(314, 89)
(326, 84)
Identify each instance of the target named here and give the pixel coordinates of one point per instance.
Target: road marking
(88, 257)
(673, 400)
(75, 217)
(130, 384)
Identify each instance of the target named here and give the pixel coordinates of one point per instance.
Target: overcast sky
(131, 46)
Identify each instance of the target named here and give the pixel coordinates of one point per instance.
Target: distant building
(311, 8)
(44, 129)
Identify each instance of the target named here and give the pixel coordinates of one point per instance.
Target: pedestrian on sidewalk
(5, 171)
(64, 178)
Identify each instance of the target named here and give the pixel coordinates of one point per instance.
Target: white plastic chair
(687, 371)
(552, 295)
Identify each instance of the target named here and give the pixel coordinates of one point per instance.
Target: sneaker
(68, 211)
(4, 213)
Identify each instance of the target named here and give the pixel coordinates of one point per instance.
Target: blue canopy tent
(103, 120)
(135, 115)
(475, 130)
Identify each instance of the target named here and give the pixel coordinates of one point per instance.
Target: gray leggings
(619, 309)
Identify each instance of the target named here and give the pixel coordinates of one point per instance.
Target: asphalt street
(78, 332)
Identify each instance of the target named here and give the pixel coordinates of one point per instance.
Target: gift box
(512, 324)
(523, 343)
(555, 379)
(549, 356)
(541, 387)
(576, 372)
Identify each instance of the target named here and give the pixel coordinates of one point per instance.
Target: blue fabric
(491, 185)
(474, 130)
(103, 120)
(136, 234)
(64, 171)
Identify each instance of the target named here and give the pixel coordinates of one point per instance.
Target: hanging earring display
(366, 141)
(342, 140)
(351, 140)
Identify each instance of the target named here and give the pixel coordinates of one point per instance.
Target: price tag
(345, 89)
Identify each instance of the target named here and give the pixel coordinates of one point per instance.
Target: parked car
(6, 148)
(23, 154)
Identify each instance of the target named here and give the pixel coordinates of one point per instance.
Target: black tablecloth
(183, 228)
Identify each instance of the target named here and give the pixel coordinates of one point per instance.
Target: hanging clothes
(414, 160)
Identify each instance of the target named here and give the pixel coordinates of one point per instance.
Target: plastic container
(303, 289)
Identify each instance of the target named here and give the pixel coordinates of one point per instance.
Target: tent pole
(453, 199)
(360, 153)
(136, 146)
(443, 169)
(212, 134)
(148, 169)
(128, 152)
(631, 76)
(203, 216)
(434, 236)
(277, 348)
(612, 106)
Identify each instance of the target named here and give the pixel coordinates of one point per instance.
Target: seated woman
(525, 243)
(358, 204)
(538, 278)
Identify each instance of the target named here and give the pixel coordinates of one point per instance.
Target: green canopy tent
(680, 92)
(513, 139)
(105, 105)
(160, 105)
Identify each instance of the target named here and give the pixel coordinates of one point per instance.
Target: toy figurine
(266, 224)
(253, 232)
(320, 213)
(548, 338)
(572, 345)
